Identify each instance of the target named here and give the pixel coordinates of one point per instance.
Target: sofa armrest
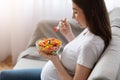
(32, 51)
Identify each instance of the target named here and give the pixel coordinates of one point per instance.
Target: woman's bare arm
(81, 72)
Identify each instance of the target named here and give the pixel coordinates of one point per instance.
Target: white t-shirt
(84, 50)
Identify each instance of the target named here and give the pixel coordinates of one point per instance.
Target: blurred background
(19, 18)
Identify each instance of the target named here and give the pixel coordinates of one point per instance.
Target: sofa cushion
(29, 51)
(115, 17)
(115, 13)
(25, 63)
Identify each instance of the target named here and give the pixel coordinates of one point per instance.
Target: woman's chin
(81, 26)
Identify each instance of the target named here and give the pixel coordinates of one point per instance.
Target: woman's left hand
(49, 57)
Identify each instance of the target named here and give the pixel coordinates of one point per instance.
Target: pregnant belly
(49, 72)
(69, 62)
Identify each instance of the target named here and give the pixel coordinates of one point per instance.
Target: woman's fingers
(63, 23)
(64, 20)
(49, 57)
(40, 52)
(43, 54)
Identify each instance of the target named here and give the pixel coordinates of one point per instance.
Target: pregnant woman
(81, 53)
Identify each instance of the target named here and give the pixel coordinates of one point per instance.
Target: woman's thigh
(22, 74)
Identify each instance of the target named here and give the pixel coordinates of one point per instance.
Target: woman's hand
(65, 27)
(49, 57)
(66, 30)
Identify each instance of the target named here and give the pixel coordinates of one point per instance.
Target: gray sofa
(108, 66)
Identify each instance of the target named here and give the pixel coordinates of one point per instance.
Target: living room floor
(6, 64)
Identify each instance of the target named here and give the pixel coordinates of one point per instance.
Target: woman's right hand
(66, 30)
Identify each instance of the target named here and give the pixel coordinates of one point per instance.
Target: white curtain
(5, 22)
(18, 19)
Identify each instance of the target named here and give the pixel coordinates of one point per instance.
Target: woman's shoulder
(97, 40)
(94, 41)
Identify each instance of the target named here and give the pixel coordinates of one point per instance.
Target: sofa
(107, 67)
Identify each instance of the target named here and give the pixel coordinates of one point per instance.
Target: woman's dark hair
(97, 18)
